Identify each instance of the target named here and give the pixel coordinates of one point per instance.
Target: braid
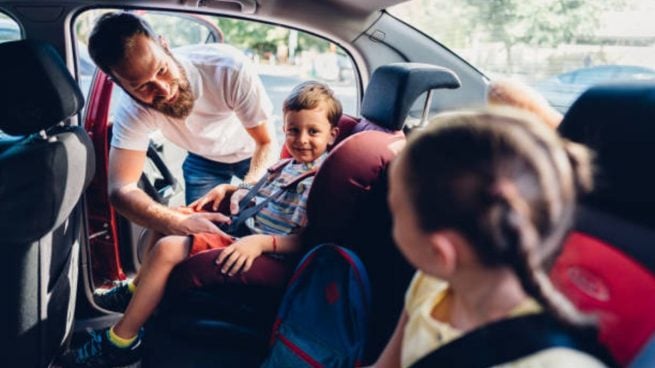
(524, 258)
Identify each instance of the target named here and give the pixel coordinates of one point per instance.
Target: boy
(311, 115)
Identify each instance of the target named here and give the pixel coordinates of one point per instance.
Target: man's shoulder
(212, 54)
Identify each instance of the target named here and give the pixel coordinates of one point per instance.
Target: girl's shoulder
(422, 288)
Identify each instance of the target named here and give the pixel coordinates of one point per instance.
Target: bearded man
(207, 99)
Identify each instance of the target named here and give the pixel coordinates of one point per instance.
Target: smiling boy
(311, 115)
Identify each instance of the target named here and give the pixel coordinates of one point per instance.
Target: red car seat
(348, 201)
(608, 263)
(347, 205)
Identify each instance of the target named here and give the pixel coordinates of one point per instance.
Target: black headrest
(618, 123)
(37, 90)
(394, 88)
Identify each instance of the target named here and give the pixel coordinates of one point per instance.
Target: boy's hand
(214, 196)
(235, 199)
(240, 255)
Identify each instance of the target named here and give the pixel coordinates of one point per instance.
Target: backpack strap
(511, 339)
(248, 212)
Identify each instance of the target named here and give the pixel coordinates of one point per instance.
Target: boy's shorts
(206, 241)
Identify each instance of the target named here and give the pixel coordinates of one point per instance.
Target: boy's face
(308, 133)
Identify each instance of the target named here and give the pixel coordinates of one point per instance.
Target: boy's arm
(240, 255)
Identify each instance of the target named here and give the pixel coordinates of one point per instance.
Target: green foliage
(261, 37)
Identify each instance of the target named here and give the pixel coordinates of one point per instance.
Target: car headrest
(617, 122)
(394, 88)
(37, 90)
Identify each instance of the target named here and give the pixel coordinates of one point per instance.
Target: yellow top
(424, 334)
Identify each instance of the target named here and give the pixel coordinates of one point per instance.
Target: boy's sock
(130, 286)
(120, 341)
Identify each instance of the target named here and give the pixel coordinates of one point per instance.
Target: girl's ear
(334, 132)
(444, 247)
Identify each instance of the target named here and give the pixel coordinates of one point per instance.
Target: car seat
(44, 167)
(607, 266)
(346, 205)
(348, 201)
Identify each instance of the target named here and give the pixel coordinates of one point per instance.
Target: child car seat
(608, 264)
(346, 205)
(44, 168)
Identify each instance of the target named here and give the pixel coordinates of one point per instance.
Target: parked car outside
(561, 90)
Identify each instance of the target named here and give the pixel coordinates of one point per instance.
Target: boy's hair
(111, 36)
(308, 95)
(508, 183)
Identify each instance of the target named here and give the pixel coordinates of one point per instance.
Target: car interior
(62, 239)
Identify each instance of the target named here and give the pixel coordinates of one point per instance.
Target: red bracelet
(274, 244)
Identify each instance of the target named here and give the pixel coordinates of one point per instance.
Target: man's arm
(264, 155)
(125, 168)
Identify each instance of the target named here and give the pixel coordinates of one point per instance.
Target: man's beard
(182, 106)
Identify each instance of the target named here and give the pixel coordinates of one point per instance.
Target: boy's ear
(445, 250)
(334, 132)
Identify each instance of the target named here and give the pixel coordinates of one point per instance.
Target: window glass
(9, 29)
(541, 41)
(283, 57)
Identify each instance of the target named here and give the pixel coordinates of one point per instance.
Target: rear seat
(608, 263)
(347, 205)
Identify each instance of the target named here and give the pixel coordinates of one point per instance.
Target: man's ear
(163, 42)
(444, 249)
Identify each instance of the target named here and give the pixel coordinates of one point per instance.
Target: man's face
(151, 75)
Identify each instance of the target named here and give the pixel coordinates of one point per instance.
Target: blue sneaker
(99, 352)
(115, 299)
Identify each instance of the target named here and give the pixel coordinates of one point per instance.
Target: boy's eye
(292, 131)
(314, 131)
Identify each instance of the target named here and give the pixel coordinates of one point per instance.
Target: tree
(537, 22)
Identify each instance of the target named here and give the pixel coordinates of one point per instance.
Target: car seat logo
(588, 283)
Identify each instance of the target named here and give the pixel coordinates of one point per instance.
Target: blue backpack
(322, 319)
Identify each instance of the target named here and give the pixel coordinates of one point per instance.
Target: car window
(9, 31)
(560, 47)
(283, 57)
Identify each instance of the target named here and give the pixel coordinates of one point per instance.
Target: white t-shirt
(229, 97)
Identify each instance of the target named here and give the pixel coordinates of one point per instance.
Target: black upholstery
(44, 170)
(37, 88)
(394, 88)
(617, 122)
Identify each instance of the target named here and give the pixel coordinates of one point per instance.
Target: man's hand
(235, 199)
(203, 222)
(214, 196)
(240, 255)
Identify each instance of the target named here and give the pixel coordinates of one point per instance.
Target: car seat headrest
(38, 90)
(394, 88)
(617, 122)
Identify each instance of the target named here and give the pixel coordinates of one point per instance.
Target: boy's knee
(170, 249)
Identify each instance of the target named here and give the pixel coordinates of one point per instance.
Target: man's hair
(111, 36)
(308, 95)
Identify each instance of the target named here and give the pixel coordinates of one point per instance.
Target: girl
(481, 201)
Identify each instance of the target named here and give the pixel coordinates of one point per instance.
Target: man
(207, 100)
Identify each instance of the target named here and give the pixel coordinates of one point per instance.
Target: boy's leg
(153, 276)
(201, 270)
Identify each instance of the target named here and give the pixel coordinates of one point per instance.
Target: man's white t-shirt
(229, 97)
